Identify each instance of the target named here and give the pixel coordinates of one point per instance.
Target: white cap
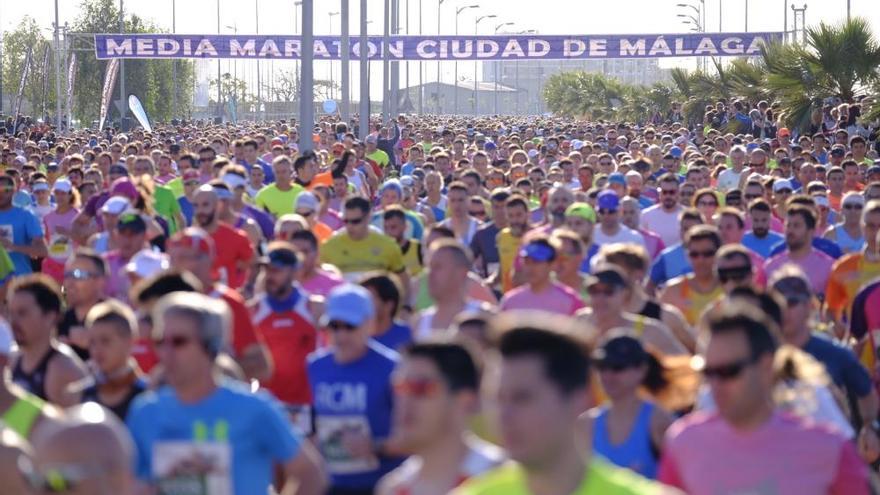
(821, 201)
(307, 200)
(115, 205)
(146, 263)
(533, 153)
(781, 184)
(62, 185)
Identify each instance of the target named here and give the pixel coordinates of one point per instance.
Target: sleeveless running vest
(35, 381)
(635, 452)
(847, 243)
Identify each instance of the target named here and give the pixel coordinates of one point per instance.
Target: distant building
(530, 76)
(440, 99)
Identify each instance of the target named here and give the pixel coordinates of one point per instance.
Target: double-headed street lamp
(698, 22)
(498, 66)
(476, 69)
(458, 12)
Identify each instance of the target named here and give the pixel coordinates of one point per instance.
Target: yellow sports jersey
(848, 275)
(412, 257)
(508, 247)
(692, 303)
(599, 478)
(380, 157)
(353, 258)
(276, 201)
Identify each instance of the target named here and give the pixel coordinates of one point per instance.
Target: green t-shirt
(601, 478)
(380, 157)
(166, 206)
(176, 186)
(276, 201)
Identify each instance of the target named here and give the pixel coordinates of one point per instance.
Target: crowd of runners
(474, 305)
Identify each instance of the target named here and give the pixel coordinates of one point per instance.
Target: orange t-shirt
(322, 179)
(322, 231)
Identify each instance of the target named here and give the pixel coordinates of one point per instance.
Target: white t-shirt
(663, 223)
(624, 235)
(729, 179)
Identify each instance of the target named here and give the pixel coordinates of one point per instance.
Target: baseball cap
(782, 184)
(62, 185)
(607, 275)
(838, 150)
(193, 238)
(372, 138)
(608, 200)
(117, 169)
(123, 186)
(873, 169)
(853, 199)
(146, 263)
(821, 201)
(131, 220)
(283, 257)
(115, 205)
(793, 288)
(40, 185)
(676, 152)
(617, 178)
(348, 303)
(538, 251)
(490, 146)
(533, 153)
(307, 200)
(581, 210)
(234, 181)
(620, 352)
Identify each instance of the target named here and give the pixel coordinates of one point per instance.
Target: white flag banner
(134, 104)
(71, 79)
(24, 76)
(107, 92)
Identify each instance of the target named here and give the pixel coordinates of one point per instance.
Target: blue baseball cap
(538, 251)
(617, 178)
(608, 200)
(348, 303)
(676, 152)
(489, 146)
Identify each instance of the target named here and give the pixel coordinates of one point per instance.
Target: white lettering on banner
(573, 48)
(291, 48)
(205, 48)
(425, 49)
(598, 47)
(124, 48)
(660, 47)
(167, 47)
(755, 45)
(680, 49)
(236, 48)
(486, 48)
(356, 49)
(395, 49)
(187, 47)
(706, 47)
(538, 48)
(459, 51)
(145, 46)
(636, 49)
(732, 45)
(321, 49)
(341, 397)
(513, 48)
(270, 48)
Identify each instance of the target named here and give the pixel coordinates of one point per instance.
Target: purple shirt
(322, 283)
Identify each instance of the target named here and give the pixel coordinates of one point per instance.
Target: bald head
(90, 446)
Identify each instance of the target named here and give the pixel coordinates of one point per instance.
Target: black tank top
(35, 381)
(121, 409)
(651, 310)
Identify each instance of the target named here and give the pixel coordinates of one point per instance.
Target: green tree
(16, 43)
(836, 61)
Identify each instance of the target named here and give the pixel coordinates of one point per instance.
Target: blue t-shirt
(672, 262)
(22, 227)
(842, 365)
(186, 209)
(396, 337)
(252, 426)
(827, 246)
(354, 396)
(585, 265)
(762, 246)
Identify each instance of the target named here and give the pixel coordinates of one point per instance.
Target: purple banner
(536, 47)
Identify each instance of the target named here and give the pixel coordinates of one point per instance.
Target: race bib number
(339, 461)
(6, 232)
(190, 468)
(60, 247)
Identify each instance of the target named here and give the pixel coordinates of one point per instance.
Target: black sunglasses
(702, 254)
(727, 371)
(340, 325)
(734, 274)
(353, 221)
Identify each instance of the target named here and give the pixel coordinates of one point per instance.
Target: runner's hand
(869, 444)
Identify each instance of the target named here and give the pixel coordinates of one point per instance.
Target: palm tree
(836, 61)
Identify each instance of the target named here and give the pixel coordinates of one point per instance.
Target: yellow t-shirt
(412, 258)
(599, 478)
(276, 201)
(508, 247)
(380, 157)
(353, 258)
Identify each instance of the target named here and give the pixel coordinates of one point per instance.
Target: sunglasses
(702, 254)
(353, 221)
(478, 214)
(336, 326)
(77, 274)
(752, 196)
(727, 371)
(668, 192)
(606, 211)
(615, 367)
(734, 274)
(173, 341)
(852, 206)
(597, 290)
(416, 388)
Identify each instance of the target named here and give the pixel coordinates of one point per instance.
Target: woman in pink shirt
(57, 226)
(541, 292)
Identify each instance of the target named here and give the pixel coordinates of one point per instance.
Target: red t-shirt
(244, 334)
(232, 246)
(290, 336)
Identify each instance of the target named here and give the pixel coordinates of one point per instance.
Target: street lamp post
(458, 11)
(437, 91)
(698, 22)
(123, 105)
(498, 66)
(516, 71)
(307, 93)
(174, 62)
(364, 67)
(257, 31)
(57, 58)
(330, 25)
(476, 68)
(421, 68)
(234, 29)
(346, 62)
(219, 80)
